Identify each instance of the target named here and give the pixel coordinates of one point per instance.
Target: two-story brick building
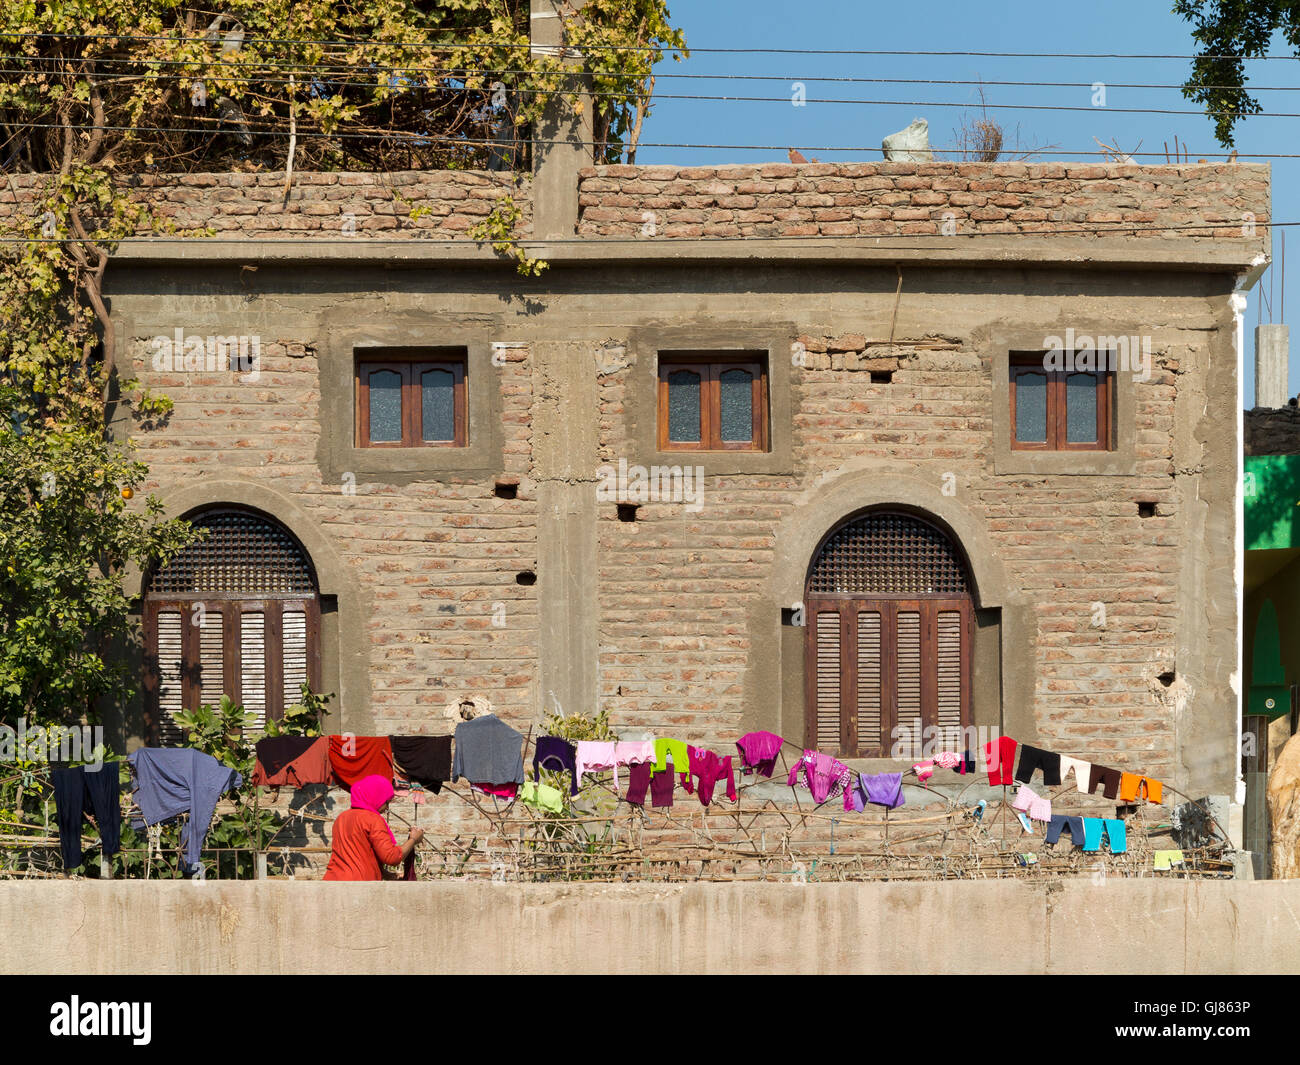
(839, 451)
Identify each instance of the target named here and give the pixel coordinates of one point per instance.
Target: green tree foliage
(99, 94)
(1227, 33)
(66, 533)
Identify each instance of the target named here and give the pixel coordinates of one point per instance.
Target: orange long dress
(362, 840)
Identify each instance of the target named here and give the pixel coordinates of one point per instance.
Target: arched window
(888, 648)
(235, 613)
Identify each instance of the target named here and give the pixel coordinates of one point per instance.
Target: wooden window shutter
(293, 638)
(888, 594)
(211, 659)
(252, 658)
(170, 658)
(950, 673)
(251, 585)
(870, 722)
(828, 680)
(909, 672)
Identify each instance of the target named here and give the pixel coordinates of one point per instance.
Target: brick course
(882, 199)
(445, 203)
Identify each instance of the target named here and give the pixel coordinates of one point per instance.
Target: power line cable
(602, 93)
(434, 139)
(669, 49)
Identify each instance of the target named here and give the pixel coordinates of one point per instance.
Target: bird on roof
(796, 156)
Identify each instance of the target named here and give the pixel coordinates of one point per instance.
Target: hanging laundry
(709, 768)
(882, 789)
(1000, 756)
(674, 749)
(1168, 859)
(1112, 829)
(1032, 758)
(542, 797)
(556, 754)
(758, 751)
(79, 791)
(1132, 787)
(423, 759)
(1191, 824)
(923, 770)
(634, 752)
(822, 775)
(488, 751)
(954, 761)
(1073, 825)
(596, 756)
(1037, 806)
(292, 761)
(354, 758)
(1082, 772)
(1106, 779)
(642, 776)
(174, 780)
(498, 791)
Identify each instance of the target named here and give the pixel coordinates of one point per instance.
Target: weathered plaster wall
(1145, 927)
(673, 622)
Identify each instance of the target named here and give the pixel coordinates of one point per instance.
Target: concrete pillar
(1272, 347)
(563, 140)
(565, 448)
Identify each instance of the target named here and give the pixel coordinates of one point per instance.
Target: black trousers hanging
(78, 792)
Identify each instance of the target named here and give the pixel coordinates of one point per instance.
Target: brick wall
(1273, 431)
(433, 557)
(877, 199)
(407, 204)
(676, 587)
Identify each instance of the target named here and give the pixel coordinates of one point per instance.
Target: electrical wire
(786, 100)
(371, 42)
(435, 139)
(353, 68)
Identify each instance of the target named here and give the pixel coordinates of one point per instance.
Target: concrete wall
(1146, 927)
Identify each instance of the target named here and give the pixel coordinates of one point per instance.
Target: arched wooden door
(890, 622)
(236, 613)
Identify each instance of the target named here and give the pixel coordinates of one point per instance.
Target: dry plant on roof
(982, 139)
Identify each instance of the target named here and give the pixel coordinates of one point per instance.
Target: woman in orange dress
(363, 843)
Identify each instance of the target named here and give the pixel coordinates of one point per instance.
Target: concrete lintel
(1180, 254)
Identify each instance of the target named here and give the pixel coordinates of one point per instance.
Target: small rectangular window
(1059, 410)
(713, 402)
(412, 398)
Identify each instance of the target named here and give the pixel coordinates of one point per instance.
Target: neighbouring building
(1271, 637)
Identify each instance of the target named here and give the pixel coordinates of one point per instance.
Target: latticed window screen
(236, 614)
(889, 637)
(888, 554)
(241, 554)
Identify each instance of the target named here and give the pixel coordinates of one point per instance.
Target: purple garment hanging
(758, 750)
(823, 775)
(882, 789)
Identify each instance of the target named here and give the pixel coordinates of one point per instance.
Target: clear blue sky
(1101, 26)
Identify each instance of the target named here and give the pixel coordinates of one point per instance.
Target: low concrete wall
(1144, 926)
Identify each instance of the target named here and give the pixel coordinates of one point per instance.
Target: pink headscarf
(370, 793)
